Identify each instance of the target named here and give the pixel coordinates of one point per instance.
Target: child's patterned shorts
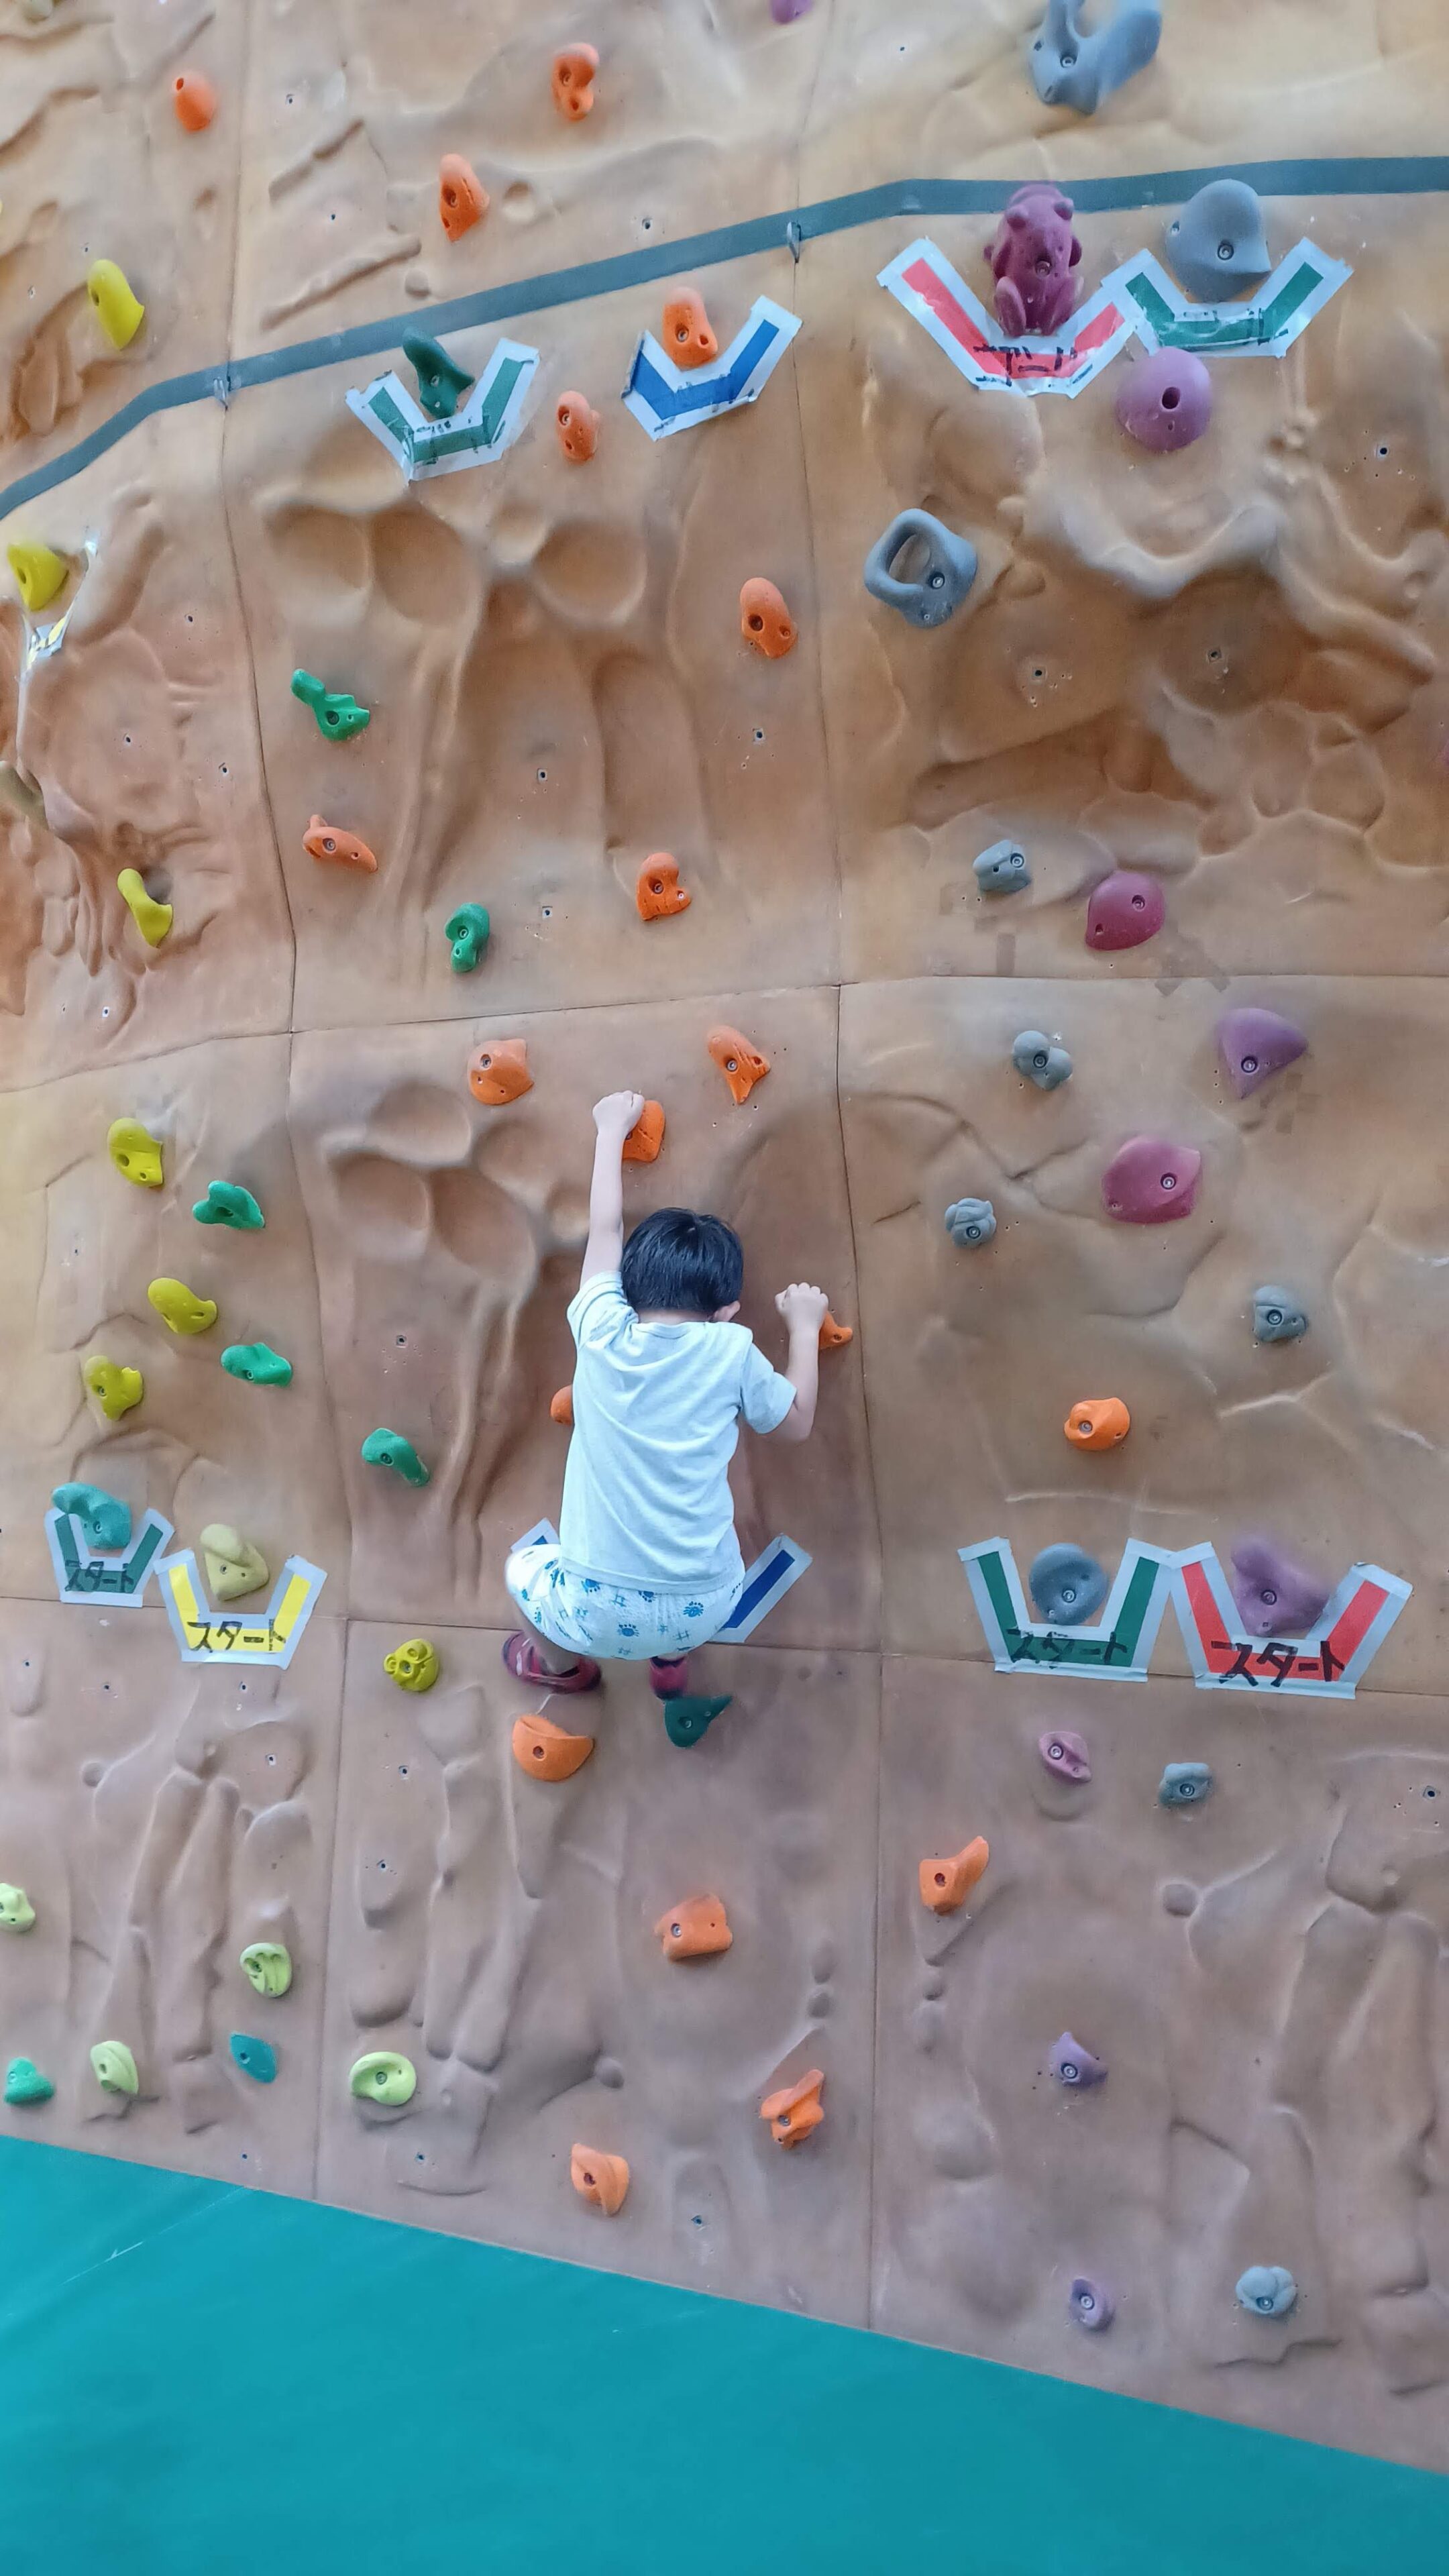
(613, 1621)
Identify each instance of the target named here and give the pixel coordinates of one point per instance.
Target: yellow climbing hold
(115, 2067)
(115, 1389)
(136, 1155)
(116, 308)
(39, 573)
(233, 1565)
(179, 1307)
(152, 919)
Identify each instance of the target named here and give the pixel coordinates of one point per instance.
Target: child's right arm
(803, 1309)
(613, 1118)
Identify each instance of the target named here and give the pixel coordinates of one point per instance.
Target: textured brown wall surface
(1226, 666)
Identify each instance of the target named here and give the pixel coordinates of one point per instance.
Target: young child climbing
(647, 1564)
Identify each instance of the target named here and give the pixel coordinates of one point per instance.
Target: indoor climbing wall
(1064, 825)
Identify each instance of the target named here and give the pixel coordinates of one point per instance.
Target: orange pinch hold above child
(741, 1064)
(645, 1137)
(328, 841)
(498, 1072)
(833, 1336)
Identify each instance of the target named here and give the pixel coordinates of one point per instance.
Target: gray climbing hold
(1266, 2290)
(1002, 869)
(1184, 1784)
(1040, 1060)
(1073, 70)
(105, 1520)
(1067, 1585)
(934, 593)
(1092, 2307)
(1277, 1317)
(971, 1221)
(1074, 2065)
(1217, 244)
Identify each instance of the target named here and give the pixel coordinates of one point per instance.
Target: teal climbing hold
(227, 1203)
(25, 2083)
(258, 1363)
(338, 714)
(105, 1521)
(384, 1448)
(468, 929)
(686, 1720)
(256, 2057)
(441, 384)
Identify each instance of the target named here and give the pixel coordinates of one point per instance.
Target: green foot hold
(255, 2057)
(25, 2083)
(384, 2077)
(389, 1449)
(468, 929)
(105, 1522)
(227, 1203)
(258, 1363)
(115, 2067)
(268, 1966)
(338, 715)
(686, 1720)
(16, 1911)
(441, 385)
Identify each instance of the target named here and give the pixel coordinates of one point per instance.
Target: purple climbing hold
(1033, 259)
(1072, 2064)
(1124, 910)
(1091, 2305)
(1166, 401)
(785, 12)
(1150, 1182)
(1255, 1044)
(1064, 1752)
(1276, 1596)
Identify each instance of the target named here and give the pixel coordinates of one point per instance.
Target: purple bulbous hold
(1150, 1182)
(1064, 1752)
(1124, 910)
(1255, 1044)
(1033, 258)
(1167, 401)
(1092, 2307)
(1074, 2065)
(785, 12)
(1276, 1596)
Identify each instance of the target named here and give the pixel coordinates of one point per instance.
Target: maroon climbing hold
(1255, 1043)
(1166, 401)
(1033, 260)
(1149, 1182)
(1276, 1596)
(1064, 1752)
(1124, 910)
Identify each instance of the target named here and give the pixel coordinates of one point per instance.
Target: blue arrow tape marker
(665, 398)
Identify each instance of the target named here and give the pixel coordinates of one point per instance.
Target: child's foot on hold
(521, 1655)
(669, 1676)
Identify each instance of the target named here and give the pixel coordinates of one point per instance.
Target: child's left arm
(803, 1309)
(613, 1117)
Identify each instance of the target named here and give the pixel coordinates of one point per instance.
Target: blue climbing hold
(1277, 1317)
(105, 1521)
(971, 1221)
(1266, 2290)
(1067, 1585)
(1184, 1784)
(1035, 1055)
(255, 2057)
(1002, 869)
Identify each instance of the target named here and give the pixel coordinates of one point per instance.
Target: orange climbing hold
(694, 1930)
(462, 197)
(946, 1884)
(577, 424)
(645, 1137)
(833, 1336)
(765, 621)
(498, 1072)
(546, 1751)
(194, 100)
(561, 1407)
(657, 891)
(329, 841)
(599, 2178)
(687, 335)
(741, 1064)
(1099, 1422)
(573, 80)
(795, 2110)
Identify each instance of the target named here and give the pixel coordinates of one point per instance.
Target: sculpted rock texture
(1220, 669)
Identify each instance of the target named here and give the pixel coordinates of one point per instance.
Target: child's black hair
(676, 1259)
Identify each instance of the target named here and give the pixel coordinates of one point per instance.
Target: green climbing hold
(16, 1911)
(384, 2077)
(227, 1203)
(389, 1449)
(338, 714)
(468, 929)
(255, 2057)
(441, 385)
(258, 1363)
(115, 2067)
(25, 2083)
(686, 1720)
(268, 1965)
(105, 1522)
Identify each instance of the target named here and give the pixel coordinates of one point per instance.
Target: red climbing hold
(1150, 1182)
(1124, 910)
